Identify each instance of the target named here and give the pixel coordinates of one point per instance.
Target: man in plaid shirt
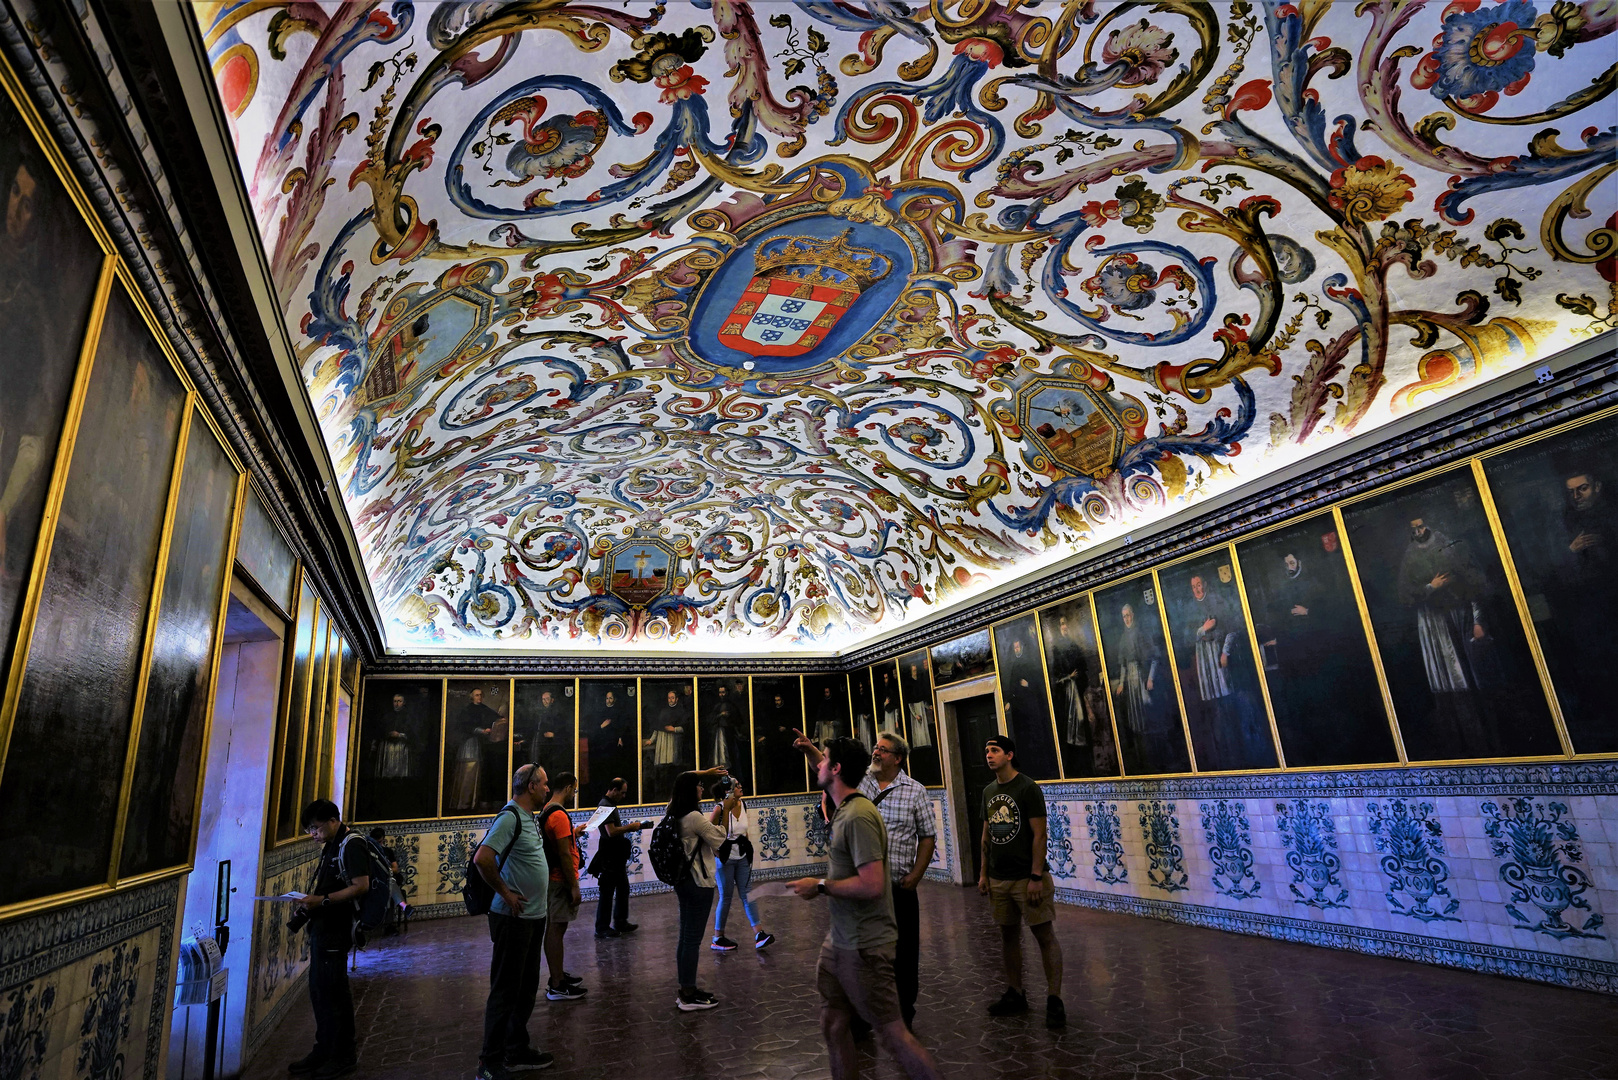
(908, 814)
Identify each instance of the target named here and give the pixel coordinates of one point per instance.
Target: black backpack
(667, 852)
(371, 910)
(475, 892)
(553, 854)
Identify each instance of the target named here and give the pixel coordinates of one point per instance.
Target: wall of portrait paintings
(444, 748)
(119, 506)
(1455, 616)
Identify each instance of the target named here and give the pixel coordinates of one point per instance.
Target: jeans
(733, 877)
(907, 956)
(695, 903)
(329, 995)
(513, 984)
(612, 904)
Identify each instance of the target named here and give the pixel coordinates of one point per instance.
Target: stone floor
(1145, 1000)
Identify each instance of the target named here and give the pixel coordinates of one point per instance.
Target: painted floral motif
(634, 864)
(1230, 848)
(773, 844)
(105, 1024)
(1059, 841)
(1485, 50)
(508, 248)
(25, 1034)
(454, 852)
(816, 832)
(1411, 840)
(1538, 845)
(1143, 51)
(1166, 859)
(1307, 829)
(1370, 190)
(1106, 836)
(269, 932)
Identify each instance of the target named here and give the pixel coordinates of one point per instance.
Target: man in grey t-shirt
(511, 859)
(855, 973)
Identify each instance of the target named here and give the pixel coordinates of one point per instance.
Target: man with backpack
(342, 877)
(511, 859)
(562, 853)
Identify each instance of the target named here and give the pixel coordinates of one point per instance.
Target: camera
(722, 788)
(299, 920)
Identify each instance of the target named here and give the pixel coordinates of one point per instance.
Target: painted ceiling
(758, 328)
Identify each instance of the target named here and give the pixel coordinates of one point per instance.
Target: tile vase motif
(1166, 858)
(1230, 848)
(1411, 839)
(1106, 842)
(1538, 845)
(1306, 828)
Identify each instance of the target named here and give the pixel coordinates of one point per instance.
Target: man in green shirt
(1014, 879)
(512, 860)
(855, 973)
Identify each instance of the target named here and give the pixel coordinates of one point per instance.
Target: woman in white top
(702, 836)
(735, 873)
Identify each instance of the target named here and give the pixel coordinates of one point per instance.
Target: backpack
(371, 910)
(475, 892)
(667, 852)
(553, 854)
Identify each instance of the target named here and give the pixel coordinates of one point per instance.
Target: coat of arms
(801, 286)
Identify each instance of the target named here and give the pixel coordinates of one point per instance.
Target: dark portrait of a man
(776, 713)
(607, 726)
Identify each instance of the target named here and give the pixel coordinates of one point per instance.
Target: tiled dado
(1507, 869)
(87, 989)
(280, 958)
(789, 839)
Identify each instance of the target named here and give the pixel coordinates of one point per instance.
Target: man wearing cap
(1015, 881)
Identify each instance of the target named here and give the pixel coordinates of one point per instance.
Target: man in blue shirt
(512, 860)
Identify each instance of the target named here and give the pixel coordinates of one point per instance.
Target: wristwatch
(1037, 877)
(820, 887)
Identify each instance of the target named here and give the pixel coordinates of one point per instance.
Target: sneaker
(609, 932)
(761, 940)
(528, 1059)
(1055, 1013)
(492, 1072)
(690, 999)
(722, 944)
(628, 927)
(1011, 1003)
(571, 980)
(332, 1068)
(565, 992)
(306, 1064)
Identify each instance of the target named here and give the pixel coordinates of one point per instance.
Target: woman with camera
(702, 837)
(736, 872)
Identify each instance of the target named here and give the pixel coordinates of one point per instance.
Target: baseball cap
(1002, 741)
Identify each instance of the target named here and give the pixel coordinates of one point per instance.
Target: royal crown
(804, 258)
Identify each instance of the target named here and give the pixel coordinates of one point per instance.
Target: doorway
(231, 830)
(976, 719)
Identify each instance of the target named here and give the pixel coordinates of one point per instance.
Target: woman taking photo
(735, 872)
(702, 837)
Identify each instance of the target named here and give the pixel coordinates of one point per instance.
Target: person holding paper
(610, 864)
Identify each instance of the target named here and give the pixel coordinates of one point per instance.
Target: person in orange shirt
(562, 852)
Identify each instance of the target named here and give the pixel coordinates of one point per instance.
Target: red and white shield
(784, 317)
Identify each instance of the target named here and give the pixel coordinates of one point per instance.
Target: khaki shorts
(562, 909)
(1009, 902)
(859, 981)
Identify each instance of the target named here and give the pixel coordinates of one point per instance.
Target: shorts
(859, 981)
(1008, 900)
(561, 909)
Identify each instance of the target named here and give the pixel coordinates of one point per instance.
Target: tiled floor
(1145, 1000)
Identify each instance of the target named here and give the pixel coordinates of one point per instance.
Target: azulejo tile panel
(1506, 869)
(85, 991)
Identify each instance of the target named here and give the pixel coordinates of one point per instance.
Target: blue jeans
(733, 877)
(695, 902)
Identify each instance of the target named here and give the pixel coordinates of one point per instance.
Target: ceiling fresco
(760, 328)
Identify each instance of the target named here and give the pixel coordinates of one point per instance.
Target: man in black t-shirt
(341, 877)
(1015, 880)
